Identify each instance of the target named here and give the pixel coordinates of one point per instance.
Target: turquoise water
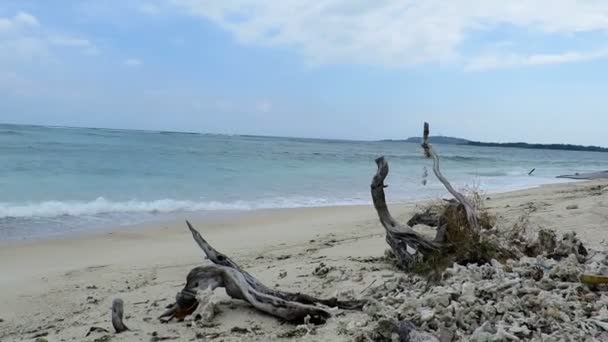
(57, 180)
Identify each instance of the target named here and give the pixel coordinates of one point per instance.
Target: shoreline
(174, 217)
(62, 287)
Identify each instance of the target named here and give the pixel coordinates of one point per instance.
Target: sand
(60, 288)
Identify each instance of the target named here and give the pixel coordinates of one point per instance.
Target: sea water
(57, 180)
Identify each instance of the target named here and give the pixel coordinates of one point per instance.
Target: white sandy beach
(61, 288)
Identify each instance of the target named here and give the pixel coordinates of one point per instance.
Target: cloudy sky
(494, 70)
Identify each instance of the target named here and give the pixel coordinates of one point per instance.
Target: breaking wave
(101, 206)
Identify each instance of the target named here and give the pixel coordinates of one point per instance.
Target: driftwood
(587, 176)
(410, 247)
(117, 313)
(292, 307)
(213, 276)
(405, 243)
(429, 152)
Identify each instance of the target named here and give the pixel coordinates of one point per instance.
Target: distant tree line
(567, 147)
(460, 141)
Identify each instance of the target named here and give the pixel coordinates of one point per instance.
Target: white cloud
(397, 33)
(26, 39)
(25, 19)
(132, 62)
(487, 62)
(20, 20)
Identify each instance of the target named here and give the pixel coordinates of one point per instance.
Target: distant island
(460, 141)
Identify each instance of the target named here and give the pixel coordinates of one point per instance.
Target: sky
(490, 70)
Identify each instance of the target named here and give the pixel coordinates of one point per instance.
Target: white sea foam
(100, 206)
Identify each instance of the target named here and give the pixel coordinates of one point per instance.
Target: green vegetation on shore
(460, 141)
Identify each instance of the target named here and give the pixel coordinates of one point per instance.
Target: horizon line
(283, 137)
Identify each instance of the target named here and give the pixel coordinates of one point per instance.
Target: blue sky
(493, 70)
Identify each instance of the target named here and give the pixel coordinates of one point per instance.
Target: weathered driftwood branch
(221, 259)
(429, 152)
(407, 245)
(117, 313)
(457, 223)
(211, 277)
(292, 307)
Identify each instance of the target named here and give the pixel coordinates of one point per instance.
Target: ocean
(60, 180)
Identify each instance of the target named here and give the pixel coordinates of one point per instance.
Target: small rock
(104, 338)
(322, 270)
(282, 274)
(239, 330)
(426, 314)
(572, 206)
(42, 334)
(468, 292)
(96, 329)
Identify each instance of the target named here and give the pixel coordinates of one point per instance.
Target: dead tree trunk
(239, 284)
(408, 246)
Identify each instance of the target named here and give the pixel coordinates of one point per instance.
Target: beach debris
(429, 217)
(104, 338)
(405, 243)
(292, 307)
(587, 176)
(164, 338)
(531, 172)
(387, 330)
(96, 329)
(322, 270)
(482, 283)
(208, 304)
(459, 226)
(117, 314)
(571, 207)
(594, 279)
(429, 152)
(239, 330)
(297, 332)
(41, 334)
(496, 301)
